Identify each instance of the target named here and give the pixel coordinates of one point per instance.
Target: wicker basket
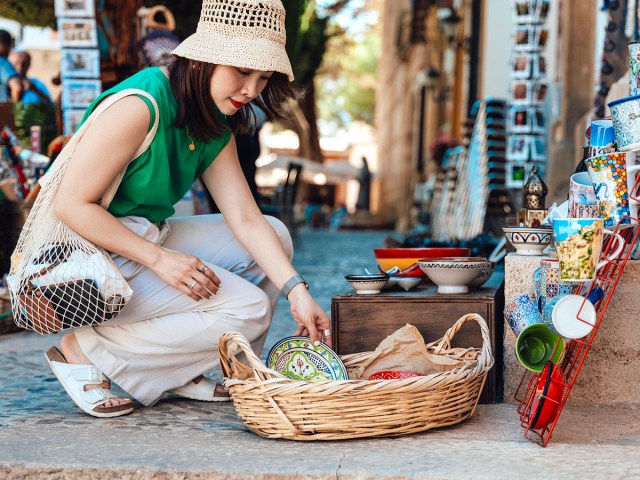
(274, 406)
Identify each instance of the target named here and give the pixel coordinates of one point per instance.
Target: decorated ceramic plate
(299, 359)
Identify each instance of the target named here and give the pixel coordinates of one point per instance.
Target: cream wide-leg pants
(163, 339)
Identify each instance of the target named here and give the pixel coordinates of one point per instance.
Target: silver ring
(327, 332)
(193, 284)
(203, 269)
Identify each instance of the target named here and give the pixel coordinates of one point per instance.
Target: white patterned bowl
(483, 276)
(453, 275)
(529, 240)
(367, 284)
(406, 283)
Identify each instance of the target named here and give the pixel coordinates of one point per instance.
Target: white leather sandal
(203, 389)
(75, 379)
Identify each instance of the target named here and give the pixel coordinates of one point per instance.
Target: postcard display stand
(471, 181)
(526, 146)
(79, 59)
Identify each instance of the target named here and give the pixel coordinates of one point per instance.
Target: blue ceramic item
(625, 114)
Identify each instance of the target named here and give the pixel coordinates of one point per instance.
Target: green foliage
(306, 39)
(346, 83)
(295, 9)
(28, 115)
(38, 13)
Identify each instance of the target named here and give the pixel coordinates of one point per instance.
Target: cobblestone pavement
(44, 436)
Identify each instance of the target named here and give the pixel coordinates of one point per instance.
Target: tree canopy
(38, 13)
(346, 82)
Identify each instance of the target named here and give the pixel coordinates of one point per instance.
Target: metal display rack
(575, 351)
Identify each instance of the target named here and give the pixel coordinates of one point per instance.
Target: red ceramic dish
(413, 271)
(455, 259)
(546, 400)
(432, 252)
(407, 258)
(394, 375)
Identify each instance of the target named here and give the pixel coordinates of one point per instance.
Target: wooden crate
(7, 324)
(360, 322)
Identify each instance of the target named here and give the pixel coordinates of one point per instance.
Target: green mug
(536, 345)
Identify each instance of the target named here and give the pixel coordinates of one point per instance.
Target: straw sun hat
(240, 33)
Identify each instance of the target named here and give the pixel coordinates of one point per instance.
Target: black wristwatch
(292, 282)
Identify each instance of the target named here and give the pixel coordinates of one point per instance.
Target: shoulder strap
(111, 191)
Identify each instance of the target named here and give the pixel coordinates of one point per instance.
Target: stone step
(202, 441)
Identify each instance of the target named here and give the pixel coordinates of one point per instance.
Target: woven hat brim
(244, 52)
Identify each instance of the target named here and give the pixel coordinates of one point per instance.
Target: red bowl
(546, 400)
(431, 252)
(405, 258)
(394, 375)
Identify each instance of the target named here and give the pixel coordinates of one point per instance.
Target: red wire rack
(575, 351)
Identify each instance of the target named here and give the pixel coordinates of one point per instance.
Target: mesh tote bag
(59, 279)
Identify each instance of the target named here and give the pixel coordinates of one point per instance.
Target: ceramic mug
(582, 198)
(549, 287)
(634, 68)
(609, 177)
(521, 312)
(536, 345)
(601, 137)
(578, 243)
(625, 114)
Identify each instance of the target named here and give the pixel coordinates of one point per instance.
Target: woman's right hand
(186, 273)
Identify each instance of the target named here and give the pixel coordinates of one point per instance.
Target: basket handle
(228, 360)
(445, 341)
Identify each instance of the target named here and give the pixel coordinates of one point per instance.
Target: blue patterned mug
(548, 287)
(625, 114)
(522, 312)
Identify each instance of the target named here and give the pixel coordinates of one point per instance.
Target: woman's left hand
(311, 319)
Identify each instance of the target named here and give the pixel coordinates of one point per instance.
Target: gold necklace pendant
(192, 145)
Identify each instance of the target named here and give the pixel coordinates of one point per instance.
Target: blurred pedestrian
(34, 91)
(10, 84)
(364, 178)
(248, 147)
(35, 108)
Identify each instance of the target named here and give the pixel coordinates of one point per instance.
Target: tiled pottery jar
(609, 178)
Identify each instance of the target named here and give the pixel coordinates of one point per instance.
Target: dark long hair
(191, 84)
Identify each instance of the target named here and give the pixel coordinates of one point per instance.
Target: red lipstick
(236, 104)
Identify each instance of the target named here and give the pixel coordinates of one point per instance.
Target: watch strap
(292, 282)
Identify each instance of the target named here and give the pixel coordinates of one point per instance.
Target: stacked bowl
(456, 275)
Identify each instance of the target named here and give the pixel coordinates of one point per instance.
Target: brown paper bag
(405, 350)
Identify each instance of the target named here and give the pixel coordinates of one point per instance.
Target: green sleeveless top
(157, 180)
